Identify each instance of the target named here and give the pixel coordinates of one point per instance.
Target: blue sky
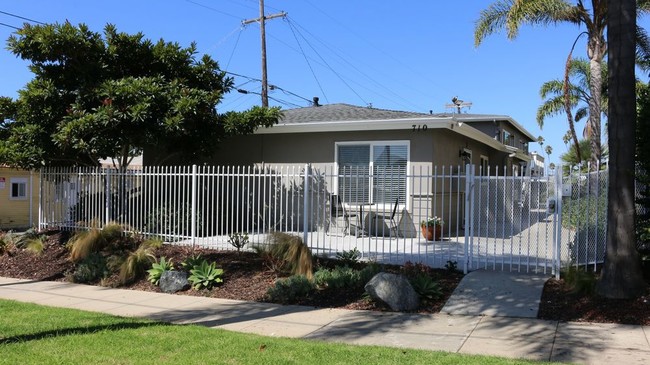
(407, 55)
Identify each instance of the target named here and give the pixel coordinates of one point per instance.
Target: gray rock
(173, 281)
(394, 290)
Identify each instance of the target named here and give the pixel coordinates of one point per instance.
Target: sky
(411, 55)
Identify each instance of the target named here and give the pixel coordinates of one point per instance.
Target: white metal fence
(492, 219)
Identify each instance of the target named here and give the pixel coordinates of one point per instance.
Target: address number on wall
(419, 127)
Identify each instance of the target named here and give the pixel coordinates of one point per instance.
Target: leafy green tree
(570, 158)
(510, 15)
(112, 95)
(621, 276)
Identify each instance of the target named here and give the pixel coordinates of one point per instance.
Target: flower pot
(432, 233)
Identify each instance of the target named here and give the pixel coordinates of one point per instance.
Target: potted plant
(432, 228)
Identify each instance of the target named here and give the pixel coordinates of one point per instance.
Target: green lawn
(33, 334)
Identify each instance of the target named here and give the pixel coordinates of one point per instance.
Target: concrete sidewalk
(503, 336)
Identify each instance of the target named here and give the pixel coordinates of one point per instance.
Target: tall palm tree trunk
(621, 276)
(596, 53)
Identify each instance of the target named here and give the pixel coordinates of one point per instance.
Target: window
(372, 172)
(18, 189)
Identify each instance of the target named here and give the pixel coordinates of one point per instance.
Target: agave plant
(205, 275)
(158, 268)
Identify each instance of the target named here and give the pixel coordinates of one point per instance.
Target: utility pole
(262, 20)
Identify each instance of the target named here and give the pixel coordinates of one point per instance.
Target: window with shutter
(372, 172)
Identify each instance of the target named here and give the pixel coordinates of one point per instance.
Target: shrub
(344, 277)
(192, 261)
(580, 281)
(36, 245)
(238, 240)
(426, 287)
(86, 242)
(137, 261)
(350, 257)
(22, 240)
(7, 242)
(205, 275)
(92, 268)
(291, 289)
(287, 253)
(158, 268)
(411, 270)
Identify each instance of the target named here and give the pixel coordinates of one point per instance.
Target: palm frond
(491, 20)
(642, 49)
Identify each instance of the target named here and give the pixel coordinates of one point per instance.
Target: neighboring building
(537, 165)
(18, 198)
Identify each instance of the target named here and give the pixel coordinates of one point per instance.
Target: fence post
(107, 193)
(305, 215)
(557, 239)
(193, 214)
(469, 207)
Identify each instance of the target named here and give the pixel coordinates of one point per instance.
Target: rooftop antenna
(458, 104)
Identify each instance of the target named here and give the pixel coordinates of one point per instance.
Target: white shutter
(389, 171)
(354, 171)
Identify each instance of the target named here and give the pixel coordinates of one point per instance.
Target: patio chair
(337, 211)
(389, 220)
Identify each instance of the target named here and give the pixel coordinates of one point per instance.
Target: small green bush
(580, 281)
(205, 275)
(158, 268)
(350, 257)
(344, 277)
(290, 290)
(92, 268)
(192, 261)
(426, 287)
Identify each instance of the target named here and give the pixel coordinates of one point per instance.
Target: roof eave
(355, 125)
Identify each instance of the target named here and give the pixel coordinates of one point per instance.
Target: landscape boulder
(173, 281)
(394, 290)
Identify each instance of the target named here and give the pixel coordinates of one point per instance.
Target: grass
(34, 334)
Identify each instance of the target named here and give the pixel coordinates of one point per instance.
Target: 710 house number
(419, 127)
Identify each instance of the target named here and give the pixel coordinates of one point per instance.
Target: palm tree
(512, 14)
(579, 95)
(621, 276)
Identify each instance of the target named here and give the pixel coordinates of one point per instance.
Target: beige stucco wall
(429, 151)
(18, 213)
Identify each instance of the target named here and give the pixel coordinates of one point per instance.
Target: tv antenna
(458, 104)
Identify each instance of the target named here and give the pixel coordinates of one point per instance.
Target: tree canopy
(511, 15)
(112, 95)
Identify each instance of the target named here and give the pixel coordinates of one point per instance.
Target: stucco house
(18, 198)
(369, 155)
(328, 134)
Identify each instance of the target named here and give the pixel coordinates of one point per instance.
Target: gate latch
(550, 206)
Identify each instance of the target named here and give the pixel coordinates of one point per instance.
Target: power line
(9, 26)
(271, 86)
(307, 60)
(332, 70)
(213, 9)
(387, 54)
(406, 103)
(21, 17)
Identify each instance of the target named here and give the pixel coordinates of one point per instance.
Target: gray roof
(348, 113)
(343, 112)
